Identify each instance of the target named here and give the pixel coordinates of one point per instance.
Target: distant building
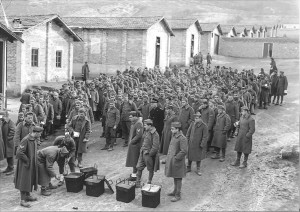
(116, 43)
(250, 31)
(228, 31)
(290, 26)
(186, 42)
(210, 38)
(260, 47)
(6, 35)
(241, 31)
(46, 54)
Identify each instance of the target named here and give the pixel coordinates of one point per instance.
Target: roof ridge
(111, 17)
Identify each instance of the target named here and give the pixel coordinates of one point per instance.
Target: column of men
(180, 112)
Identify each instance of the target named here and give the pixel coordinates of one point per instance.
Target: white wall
(213, 40)
(191, 30)
(157, 30)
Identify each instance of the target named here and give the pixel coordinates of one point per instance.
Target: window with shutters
(58, 59)
(34, 57)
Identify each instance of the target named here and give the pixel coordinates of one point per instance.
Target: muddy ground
(268, 183)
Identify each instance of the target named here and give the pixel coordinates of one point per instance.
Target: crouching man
(45, 160)
(69, 143)
(148, 153)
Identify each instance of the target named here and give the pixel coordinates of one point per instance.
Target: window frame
(56, 59)
(34, 57)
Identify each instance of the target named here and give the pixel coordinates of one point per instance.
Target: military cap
(154, 100)
(221, 107)
(132, 113)
(176, 124)
(21, 114)
(64, 150)
(245, 108)
(148, 121)
(81, 110)
(197, 114)
(37, 129)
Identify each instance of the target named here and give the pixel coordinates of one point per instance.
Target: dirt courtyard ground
(268, 183)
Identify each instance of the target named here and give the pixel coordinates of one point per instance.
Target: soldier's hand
(115, 127)
(57, 176)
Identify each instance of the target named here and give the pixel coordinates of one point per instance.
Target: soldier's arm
(155, 145)
(59, 108)
(88, 130)
(139, 134)
(117, 117)
(11, 130)
(204, 137)
(183, 148)
(72, 148)
(227, 123)
(91, 114)
(191, 115)
(251, 128)
(18, 133)
(211, 119)
(21, 151)
(189, 132)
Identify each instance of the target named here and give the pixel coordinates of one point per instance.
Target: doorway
(216, 44)
(2, 67)
(157, 51)
(192, 45)
(268, 50)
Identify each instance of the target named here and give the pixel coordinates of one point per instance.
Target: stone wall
(253, 47)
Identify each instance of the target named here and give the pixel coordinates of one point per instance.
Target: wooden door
(265, 50)
(157, 51)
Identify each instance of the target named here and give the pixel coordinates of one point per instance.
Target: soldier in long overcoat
(186, 115)
(26, 175)
(221, 128)
(45, 161)
(57, 107)
(208, 117)
(8, 131)
(264, 94)
(274, 82)
(167, 134)
(197, 136)
(157, 115)
(233, 111)
(93, 99)
(80, 128)
(135, 142)
(2, 156)
(175, 163)
(85, 72)
(245, 130)
(23, 128)
(281, 87)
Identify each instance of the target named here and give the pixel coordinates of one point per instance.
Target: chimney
(17, 23)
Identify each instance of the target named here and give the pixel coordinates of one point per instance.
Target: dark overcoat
(2, 147)
(282, 85)
(186, 117)
(232, 110)
(84, 133)
(26, 174)
(8, 132)
(157, 115)
(45, 161)
(246, 129)
(223, 124)
(175, 162)
(135, 142)
(167, 134)
(265, 91)
(208, 117)
(197, 136)
(274, 84)
(22, 129)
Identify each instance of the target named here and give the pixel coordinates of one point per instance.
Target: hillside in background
(222, 11)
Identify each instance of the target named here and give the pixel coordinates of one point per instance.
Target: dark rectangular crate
(125, 193)
(150, 199)
(74, 182)
(89, 171)
(95, 185)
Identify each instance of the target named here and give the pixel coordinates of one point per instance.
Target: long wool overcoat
(246, 129)
(167, 134)
(175, 162)
(186, 117)
(84, 133)
(8, 132)
(223, 124)
(197, 136)
(26, 175)
(282, 85)
(135, 142)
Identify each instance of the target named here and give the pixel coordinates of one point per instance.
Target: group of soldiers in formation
(161, 117)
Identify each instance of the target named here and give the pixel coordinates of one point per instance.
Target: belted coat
(223, 124)
(8, 131)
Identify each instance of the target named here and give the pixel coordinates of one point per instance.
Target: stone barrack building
(46, 54)
(116, 43)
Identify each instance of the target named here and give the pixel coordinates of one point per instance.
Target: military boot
(243, 165)
(25, 204)
(236, 163)
(215, 156)
(188, 169)
(45, 192)
(198, 171)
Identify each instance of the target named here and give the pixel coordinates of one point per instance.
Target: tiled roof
(238, 28)
(226, 28)
(271, 40)
(10, 34)
(30, 21)
(208, 27)
(181, 23)
(112, 22)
